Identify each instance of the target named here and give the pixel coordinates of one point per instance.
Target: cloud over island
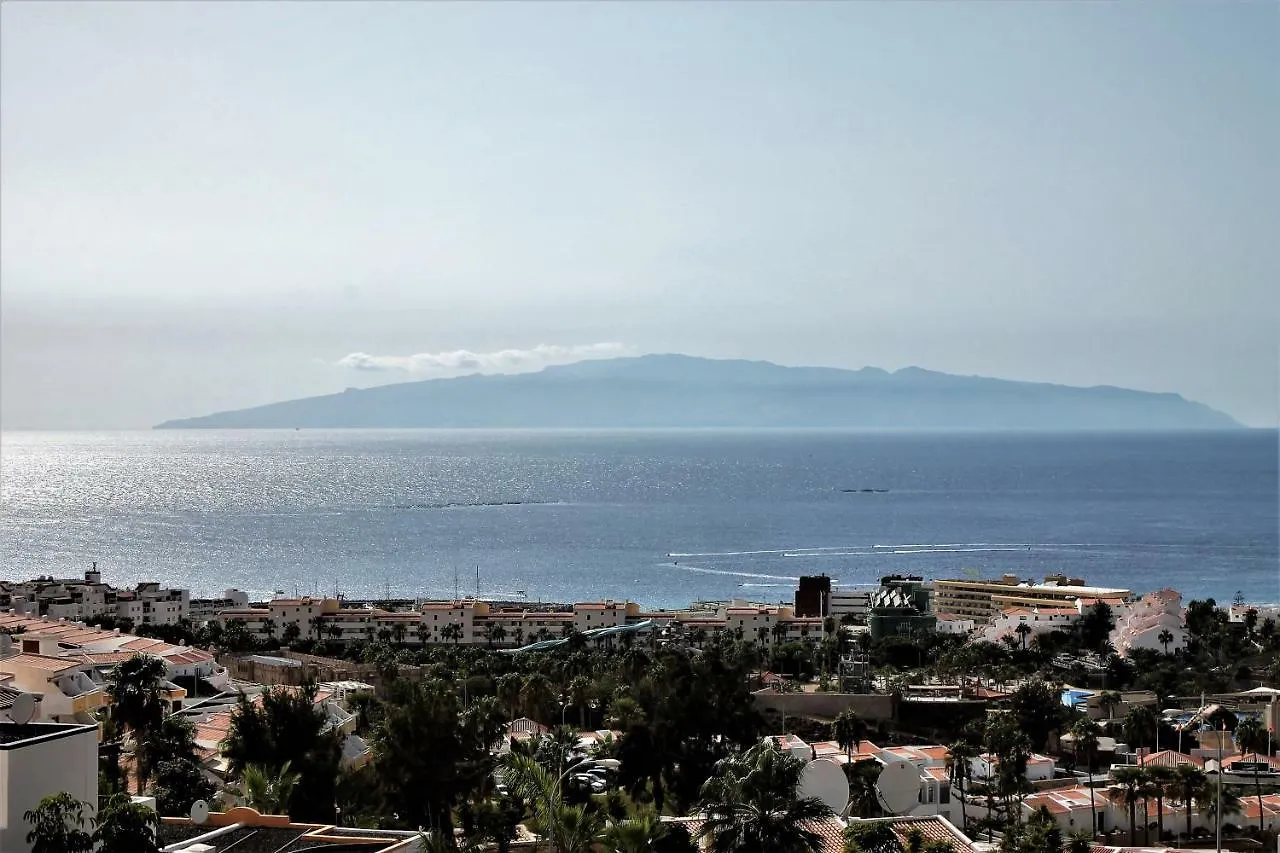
(466, 361)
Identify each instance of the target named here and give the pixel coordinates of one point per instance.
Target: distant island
(685, 391)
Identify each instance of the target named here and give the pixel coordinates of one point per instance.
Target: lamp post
(1222, 736)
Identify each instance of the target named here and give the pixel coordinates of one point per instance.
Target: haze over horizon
(214, 206)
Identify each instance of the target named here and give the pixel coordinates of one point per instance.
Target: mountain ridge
(673, 390)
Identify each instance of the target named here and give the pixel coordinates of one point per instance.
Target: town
(961, 714)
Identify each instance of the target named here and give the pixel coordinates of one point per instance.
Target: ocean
(659, 517)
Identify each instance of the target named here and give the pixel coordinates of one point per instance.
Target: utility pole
(1222, 735)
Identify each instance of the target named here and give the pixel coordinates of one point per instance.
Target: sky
(213, 206)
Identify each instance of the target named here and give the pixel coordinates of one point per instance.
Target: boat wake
(728, 573)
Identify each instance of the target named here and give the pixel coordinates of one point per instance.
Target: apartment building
(1039, 620)
(201, 610)
(1156, 622)
(849, 602)
(89, 598)
(68, 692)
(983, 600)
(481, 623)
(94, 653)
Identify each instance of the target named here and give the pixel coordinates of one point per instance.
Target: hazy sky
(210, 206)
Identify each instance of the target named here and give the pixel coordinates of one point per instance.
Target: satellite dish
(898, 787)
(23, 709)
(199, 812)
(824, 779)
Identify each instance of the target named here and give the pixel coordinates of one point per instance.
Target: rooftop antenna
(477, 581)
(456, 594)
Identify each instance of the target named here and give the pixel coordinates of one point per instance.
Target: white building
(949, 623)
(201, 610)
(39, 759)
(987, 766)
(931, 762)
(93, 652)
(1039, 620)
(849, 602)
(472, 622)
(78, 599)
(1156, 622)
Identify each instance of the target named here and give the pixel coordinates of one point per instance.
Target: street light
(1222, 736)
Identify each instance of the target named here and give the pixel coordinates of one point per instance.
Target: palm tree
(1023, 631)
(864, 798)
(451, 631)
(569, 829)
(398, 631)
(849, 731)
(269, 628)
(266, 791)
(1147, 790)
(1253, 737)
(538, 695)
(1132, 779)
(1085, 734)
(1162, 780)
(1165, 637)
(1189, 786)
(1140, 726)
(638, 835)
(422, 631)
(509, 693)
(173, 740)
(1107, 701)
(579, 690)
(136, 687)
(335, 631)
(1208, 802)
(752, 805)
(962, 753)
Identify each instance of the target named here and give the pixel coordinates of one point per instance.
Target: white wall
(64, 760)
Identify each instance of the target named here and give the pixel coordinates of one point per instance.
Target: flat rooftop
(17, 735)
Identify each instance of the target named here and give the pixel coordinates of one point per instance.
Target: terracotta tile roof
(829, 830)
(42, 662)
(1229, 761)
(931, 828)
(102, 658)
(524, 725)
(1169, 758)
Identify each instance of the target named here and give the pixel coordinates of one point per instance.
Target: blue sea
(660, 517)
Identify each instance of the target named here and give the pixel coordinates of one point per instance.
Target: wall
(66, 761)
(865, 705)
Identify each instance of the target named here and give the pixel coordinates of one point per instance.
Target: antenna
(825, 779)
(23, 710)
(477, 581)
(199, 812)
(898, 787)
(456, 594)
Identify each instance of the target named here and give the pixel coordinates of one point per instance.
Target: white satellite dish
(199, 812)
(825, 779)
(898, 787)
(23, 709)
